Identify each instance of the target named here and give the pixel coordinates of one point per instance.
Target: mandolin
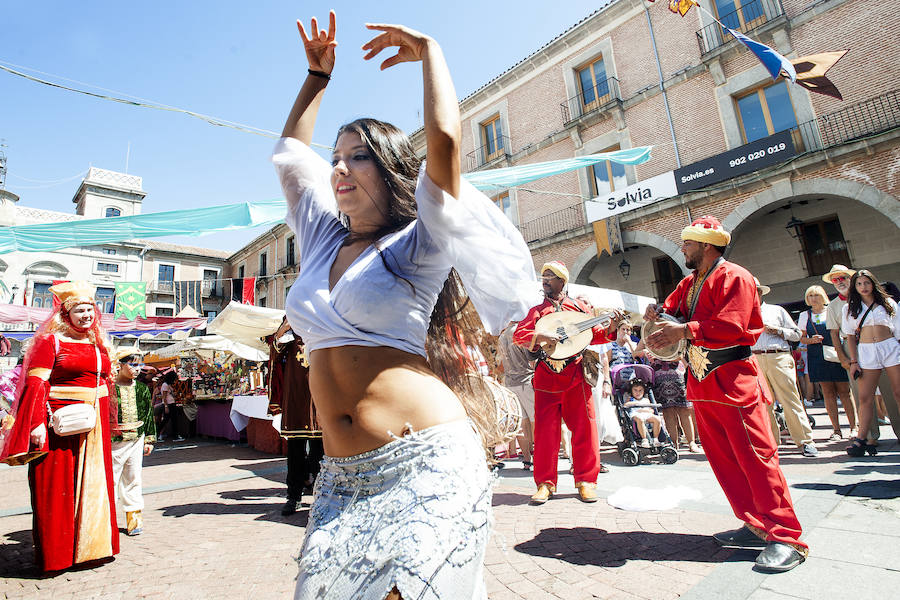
(572, 329)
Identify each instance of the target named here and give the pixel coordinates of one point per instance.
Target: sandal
(603, 469)
(526, 465)
(859, 448)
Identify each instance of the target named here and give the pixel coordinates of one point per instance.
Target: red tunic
(69, 527)
(727, 314)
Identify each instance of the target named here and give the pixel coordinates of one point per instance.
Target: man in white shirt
(773, 353)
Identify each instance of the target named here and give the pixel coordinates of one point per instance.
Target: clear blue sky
(238, 61)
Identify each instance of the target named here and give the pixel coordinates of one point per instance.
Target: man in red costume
(560, 391)
(723, 320)
(70, 476)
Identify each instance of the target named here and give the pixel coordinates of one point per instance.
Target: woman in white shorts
(871, 321)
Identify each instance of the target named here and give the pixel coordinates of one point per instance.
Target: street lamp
(12, 295)
(794, 226)
(624, 268)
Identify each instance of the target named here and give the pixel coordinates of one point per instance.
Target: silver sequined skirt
(414, 514)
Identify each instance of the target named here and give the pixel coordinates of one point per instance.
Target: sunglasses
(839, 278)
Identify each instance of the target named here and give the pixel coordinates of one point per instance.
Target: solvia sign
(634, 196)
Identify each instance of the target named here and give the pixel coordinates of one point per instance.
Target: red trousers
(743, 455)
(564, 396)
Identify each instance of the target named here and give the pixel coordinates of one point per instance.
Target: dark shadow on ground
(879, 489)
(17, 556)
(233, 505)
(591, 546)
(507, 499)
(194, 450)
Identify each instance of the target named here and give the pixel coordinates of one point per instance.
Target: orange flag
(681, 6)
(601, 238)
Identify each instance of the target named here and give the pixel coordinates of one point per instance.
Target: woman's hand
(39, 436)
(855, 371)
(411, 45)
(320, 46)
(814, 339)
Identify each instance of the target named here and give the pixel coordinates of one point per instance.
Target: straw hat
(837, 270)
(763, 289)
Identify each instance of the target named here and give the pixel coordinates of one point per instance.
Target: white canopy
(247, 324)
(206, 344)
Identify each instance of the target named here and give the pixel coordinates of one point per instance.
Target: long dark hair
(854, 300)
(454, 323)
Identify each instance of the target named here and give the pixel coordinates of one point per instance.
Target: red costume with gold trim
(72, 495)
(563, 395)
(730, 401)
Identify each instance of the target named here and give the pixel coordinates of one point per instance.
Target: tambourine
(671, 353)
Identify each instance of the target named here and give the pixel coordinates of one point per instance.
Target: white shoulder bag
(76, 418)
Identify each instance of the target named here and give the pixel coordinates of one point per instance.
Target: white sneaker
(645, 443)
(655, 442)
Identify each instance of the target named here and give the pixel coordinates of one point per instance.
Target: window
(823, 245)
(105, 267)
(42, 297)
(262, 264)
(166, 278)
(210, 314)
(607, 176)
(766, 111)
(162, 311)
(291, 253)
(209, 282)
(492, 138)
(105, 298)
(742, 15)
(241, 272)
(261, 301)
(667, 276)
(594, 84)
(109, 251)
(505, 204)
(113, 212)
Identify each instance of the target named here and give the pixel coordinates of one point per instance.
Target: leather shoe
(587, 491)
(740, 538)
(544, 491)
(778, 557)
(290, 507)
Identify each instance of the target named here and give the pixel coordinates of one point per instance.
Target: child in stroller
(636, 447)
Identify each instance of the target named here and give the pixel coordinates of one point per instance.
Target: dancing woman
(402, 503)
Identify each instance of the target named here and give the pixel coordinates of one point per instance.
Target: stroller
(630, 450)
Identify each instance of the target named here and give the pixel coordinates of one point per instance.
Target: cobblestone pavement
(213, 529)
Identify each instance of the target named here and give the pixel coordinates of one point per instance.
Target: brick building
(633, 74)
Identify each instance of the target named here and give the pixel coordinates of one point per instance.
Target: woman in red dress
(70, 476)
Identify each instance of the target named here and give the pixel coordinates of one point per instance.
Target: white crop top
(878, 316)
(369, 305)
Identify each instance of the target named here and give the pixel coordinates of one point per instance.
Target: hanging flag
(248, 295)
(601, 237)
(680, 6)
(131, 300)
(188, 293)
(771, 60)
(237, 290)
(811, 72)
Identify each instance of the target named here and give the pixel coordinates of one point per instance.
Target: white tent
(247, 324)
(205, 345)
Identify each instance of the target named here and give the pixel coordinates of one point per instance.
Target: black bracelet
(321, 74)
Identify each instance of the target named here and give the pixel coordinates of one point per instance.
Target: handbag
(829, 352)
(79, 417)
(73, 419)
(590, 366)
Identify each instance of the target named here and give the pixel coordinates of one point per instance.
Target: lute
(572, 329)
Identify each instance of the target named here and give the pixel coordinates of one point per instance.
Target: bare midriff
(361, 393)
(870, 334)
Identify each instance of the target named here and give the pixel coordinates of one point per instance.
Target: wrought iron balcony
(746, 18)
(489, 153)
(548, 225)
(856, 121)
(591, 100)
(163, 286)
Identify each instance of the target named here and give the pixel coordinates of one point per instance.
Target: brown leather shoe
(544, 491)
(587, 491)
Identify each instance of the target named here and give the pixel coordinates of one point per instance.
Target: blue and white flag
(771, 60)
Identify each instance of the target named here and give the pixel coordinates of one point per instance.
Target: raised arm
(320, 54)
(442, 126)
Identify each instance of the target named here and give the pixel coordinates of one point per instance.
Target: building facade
(633, 74)
(272, 258)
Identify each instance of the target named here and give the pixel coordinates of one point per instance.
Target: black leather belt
(770, 351)
(704, 361)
